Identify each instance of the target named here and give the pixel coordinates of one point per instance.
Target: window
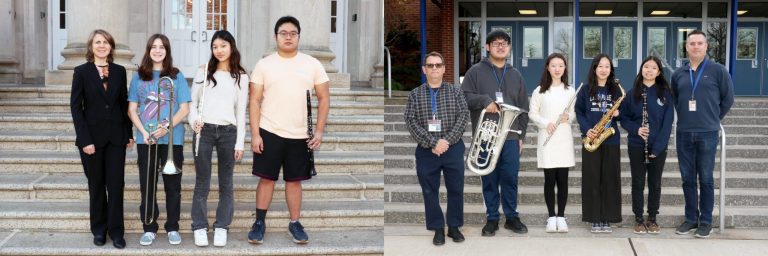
(657, 43)
(593, 41)
(682, 36)
(746, 44)
(470, 45)
(533, 46)
(622, 43)
(470, 9)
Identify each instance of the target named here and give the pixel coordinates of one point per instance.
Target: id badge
(692, 105)
(499, 97)
(434, 125)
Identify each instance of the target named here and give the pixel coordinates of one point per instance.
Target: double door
(190, 24)
(615, 38)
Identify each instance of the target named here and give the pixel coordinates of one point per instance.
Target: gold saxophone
(602, 133)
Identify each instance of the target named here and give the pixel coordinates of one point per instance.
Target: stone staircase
(44, 198)
(746, 178)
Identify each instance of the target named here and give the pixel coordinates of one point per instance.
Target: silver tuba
(489, 139)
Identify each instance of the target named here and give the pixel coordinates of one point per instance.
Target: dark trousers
(559, 177)
(428, 169)
(653, 172)
(148, 183)
(500, 186)
(105, 171)
(222, 138)
(601, 184)
(696, 156)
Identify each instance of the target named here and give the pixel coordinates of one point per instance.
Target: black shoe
(456, 235)
(686, 228)
(119, 242)
(490, 227)
(99, 240)
(516, 225)
(703, 230)
(439, 238)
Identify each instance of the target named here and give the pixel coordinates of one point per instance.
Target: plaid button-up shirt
(451, 111)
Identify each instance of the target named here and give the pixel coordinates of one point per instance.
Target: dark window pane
(753, 9)
(62, 21)
(507, 9)
(333, 24)
(683, 10)
(333, 8)
(614, 9)
(469, 9)
(563, 9)
(717, 10)
(62, 6)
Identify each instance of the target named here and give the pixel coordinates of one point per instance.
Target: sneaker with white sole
(551, 225)
(147, 238)
(174, 237)
(606, 227)
(201, 237)
(219, 237)
(296, 230)
(596, 228)
(562, 226)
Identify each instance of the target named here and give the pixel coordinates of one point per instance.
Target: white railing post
(389, 72)
(722, 179)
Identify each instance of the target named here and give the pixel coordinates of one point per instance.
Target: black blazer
(100, 116)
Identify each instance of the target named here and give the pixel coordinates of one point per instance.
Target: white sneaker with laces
(174, 237)
(551, 225)
(201, 237)
(220, 237)
(562, 227)
(147, 238)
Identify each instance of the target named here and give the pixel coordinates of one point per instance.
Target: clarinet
(311, 135)
(645, 123)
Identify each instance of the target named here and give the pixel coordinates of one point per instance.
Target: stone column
(315, 19)
(84, 16)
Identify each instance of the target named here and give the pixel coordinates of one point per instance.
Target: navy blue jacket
(589, 111)
(714, 97)
(660, 118)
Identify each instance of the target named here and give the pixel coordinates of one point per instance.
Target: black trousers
(601, 184)
(428, 169)
(653, 171)
(559, 177)
(105, 170)
(148, 184)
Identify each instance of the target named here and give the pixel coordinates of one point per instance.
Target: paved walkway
(415, 240)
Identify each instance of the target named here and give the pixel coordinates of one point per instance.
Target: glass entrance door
(615, 38)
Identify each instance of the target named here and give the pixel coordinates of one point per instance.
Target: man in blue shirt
(704, 94)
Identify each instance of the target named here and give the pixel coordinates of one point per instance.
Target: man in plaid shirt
(437, 116)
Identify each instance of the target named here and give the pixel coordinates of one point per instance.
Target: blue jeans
(223, 138)
(696, 156)
(428, 169)
(504, 176)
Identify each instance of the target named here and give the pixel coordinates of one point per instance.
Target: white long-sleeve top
(544, 109)
(223, 104)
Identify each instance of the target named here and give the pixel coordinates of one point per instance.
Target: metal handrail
(389, 72)
(722, 179)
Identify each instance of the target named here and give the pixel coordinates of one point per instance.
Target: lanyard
(500, 81)
(433, 97)
(698, 76)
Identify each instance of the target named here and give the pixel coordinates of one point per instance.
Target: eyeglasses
(434, 65)
(499, 44)
(286, 34)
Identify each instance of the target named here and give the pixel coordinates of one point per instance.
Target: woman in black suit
(99, 104)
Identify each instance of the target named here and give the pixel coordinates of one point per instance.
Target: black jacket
(100, 116)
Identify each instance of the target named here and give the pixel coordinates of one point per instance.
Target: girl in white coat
(548, 102)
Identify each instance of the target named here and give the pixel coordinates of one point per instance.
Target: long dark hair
(145, 69)
(546, 77)
(610, 83)
(235, 69)
(662, 85)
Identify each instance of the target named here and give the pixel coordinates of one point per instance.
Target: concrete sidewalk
(415, 240)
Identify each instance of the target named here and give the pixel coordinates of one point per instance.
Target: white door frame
(55, 35)
(342, 10)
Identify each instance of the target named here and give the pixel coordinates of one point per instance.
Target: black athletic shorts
(290, 154)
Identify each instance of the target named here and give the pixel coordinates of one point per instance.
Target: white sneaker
(147, 238)
(551, 225)
(174, 237)
(562, 227)
(201, 237)
(220, 237)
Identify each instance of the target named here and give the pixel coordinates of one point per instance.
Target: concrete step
(756, 165)
(735, 151)
(669, 218)
(760, 129)
(58, 105)
(670, 196)
(64, 91)
(735, 111)
(63, 140)
(73, 216)
(531, 138)
(535, 177)
(729, 119)
(75, 187)
(401, 98)
(34, 162)
(17, 121)
(348, 241)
